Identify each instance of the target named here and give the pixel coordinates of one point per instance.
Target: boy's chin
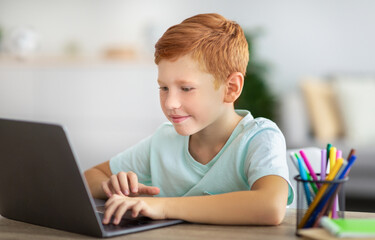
(183, 131)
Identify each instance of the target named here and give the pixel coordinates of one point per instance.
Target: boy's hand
(117, 205)
(126, 184)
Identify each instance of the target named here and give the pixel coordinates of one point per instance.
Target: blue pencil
(304, 177)
(314, 188)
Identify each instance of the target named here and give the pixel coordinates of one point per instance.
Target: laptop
(41, 183)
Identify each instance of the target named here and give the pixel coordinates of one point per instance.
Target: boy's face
(188, 97)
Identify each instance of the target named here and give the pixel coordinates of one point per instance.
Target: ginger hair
(218, 44)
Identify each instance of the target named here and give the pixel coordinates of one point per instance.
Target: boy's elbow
(275, 214)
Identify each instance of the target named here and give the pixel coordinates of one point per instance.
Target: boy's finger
(136, 209)
(115, 184)
(106, 189)
(124, 185)
(133, 182)
(111, 206)
(143, 189)
(109, 211)
(120, 211)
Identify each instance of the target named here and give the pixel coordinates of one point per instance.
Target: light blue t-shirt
(256, 148)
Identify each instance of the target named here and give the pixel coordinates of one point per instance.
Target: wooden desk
(10, 229)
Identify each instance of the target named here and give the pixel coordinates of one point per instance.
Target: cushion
(322, 109)
(356, 100)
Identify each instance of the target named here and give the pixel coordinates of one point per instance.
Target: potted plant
(256, 95)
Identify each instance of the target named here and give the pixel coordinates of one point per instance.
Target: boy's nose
(172, 101)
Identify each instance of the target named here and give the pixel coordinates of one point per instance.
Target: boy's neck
(206, 144)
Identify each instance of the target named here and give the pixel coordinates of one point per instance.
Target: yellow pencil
(320, 193)
(332, 158)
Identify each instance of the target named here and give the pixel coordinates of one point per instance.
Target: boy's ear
(233, 87)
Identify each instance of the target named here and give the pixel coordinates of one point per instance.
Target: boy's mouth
(178, 119)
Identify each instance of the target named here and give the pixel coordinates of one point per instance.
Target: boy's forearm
(236, 208)
(265, 204)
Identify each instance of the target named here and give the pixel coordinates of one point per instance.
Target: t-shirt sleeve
(267, 156)
(135, 159)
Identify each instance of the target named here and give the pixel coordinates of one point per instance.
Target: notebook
(41, 183)
(349, 227)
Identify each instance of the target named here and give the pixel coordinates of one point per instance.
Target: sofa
(338, 110)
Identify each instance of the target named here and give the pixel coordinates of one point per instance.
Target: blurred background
(88, 64)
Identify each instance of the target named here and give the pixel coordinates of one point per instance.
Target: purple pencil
(323, 166)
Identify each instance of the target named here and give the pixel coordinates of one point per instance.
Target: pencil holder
(317, 198)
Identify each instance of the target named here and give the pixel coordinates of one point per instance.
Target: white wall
(105, 108)
(315, 37)
(101, 103)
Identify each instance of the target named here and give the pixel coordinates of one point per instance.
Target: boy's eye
(163, 88)
(186, 89)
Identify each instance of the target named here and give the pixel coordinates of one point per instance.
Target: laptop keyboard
(127, 222)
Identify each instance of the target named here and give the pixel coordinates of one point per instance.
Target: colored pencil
(304, 177)
(323, 166)
(319, 195)
(308, 165)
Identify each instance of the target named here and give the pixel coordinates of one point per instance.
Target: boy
(211, 163)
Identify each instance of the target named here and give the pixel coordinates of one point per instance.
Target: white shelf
(66, 62)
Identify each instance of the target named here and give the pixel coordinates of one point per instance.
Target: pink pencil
(338, 154)
(308, 165)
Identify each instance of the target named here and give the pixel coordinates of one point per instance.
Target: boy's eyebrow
(179, 81)
(182, 81)
(160, 82)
